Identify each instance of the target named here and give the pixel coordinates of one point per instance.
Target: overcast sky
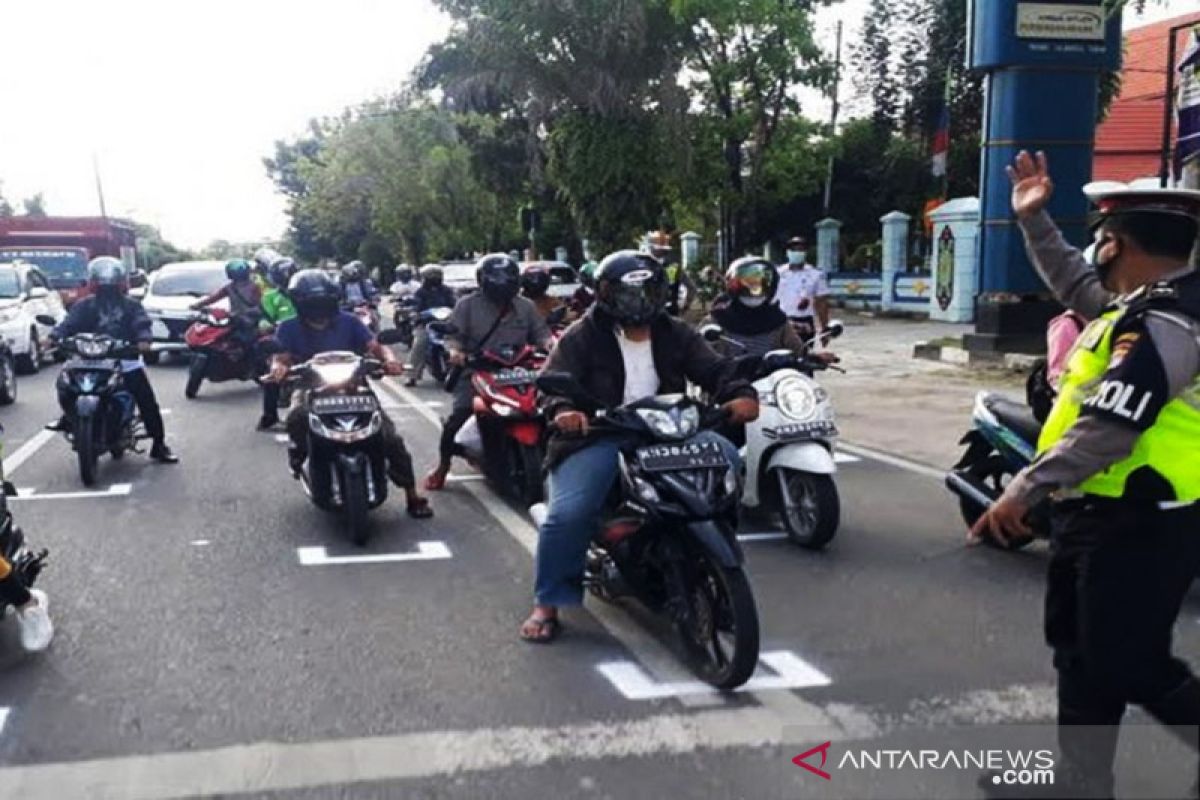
(181, 100)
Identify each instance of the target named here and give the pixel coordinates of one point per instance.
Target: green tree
(154, 250)
(34, 206)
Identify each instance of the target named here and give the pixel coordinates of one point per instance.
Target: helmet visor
(749, 280)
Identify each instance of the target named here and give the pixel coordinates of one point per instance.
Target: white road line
(200, 542)
(465, 478)
(426, 551)
(277, 767)
(894, 461)
(26, 451)
(116, 490)
(790, 672)
(282, 438)
(845, 458)
(771, 536)
(4, 718)
(658, 660)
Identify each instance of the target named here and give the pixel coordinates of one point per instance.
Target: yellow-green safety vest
(1171, 447)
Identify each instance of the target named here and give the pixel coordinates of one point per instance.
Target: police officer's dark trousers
(1117, 578)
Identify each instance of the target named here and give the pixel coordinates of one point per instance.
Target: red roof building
(1129, 141)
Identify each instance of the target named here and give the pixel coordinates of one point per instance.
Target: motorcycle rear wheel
(993, 472)
(529, 475)
(722, 639)
(85, 447)
(196, 372)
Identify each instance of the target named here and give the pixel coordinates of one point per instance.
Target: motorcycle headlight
(689, 421)
(673, 424)
(795, 398)
(336, 374)
(91, 348)
(732, 484)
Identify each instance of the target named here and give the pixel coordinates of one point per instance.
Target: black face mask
(108, 294)
(1104, 269)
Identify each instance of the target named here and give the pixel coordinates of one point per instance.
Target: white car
(24, 295)
(172, 290)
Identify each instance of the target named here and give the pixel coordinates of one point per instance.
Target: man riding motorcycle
(405, 284)
(245, 300)
(748, 313)
(535, 285)
(277, 308)
(262, 260)
(357, 288)
(494, 317)
(32, 606)
(627, 347)
(585, 295)
(108, 310)
(321, 327)
(432, 294)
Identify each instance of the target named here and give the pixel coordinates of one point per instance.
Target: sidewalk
(889, 401)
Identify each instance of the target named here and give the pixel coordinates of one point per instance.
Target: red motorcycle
(510, 424)
(219, 354)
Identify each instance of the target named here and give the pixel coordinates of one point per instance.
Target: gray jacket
(475, 315)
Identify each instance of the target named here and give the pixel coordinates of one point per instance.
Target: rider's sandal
(420, 509)
(434, 484)
(548, 630)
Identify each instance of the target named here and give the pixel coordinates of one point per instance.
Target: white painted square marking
(845, 458)
(470, 477)
(426, 551)
(282, 438)
(791, 672)
(200, 542)
(116, 490)
(3, 717)
(766, 536)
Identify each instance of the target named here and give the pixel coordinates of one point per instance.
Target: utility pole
(833, 115)
(99, 185)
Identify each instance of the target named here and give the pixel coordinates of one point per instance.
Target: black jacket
(434, 297)
(589, 351)
(125, 320)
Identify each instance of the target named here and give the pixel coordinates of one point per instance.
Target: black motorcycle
(26, 564)
(102, 417)
(436, 324)
(346, 470)
(404, 318)
(668, 535)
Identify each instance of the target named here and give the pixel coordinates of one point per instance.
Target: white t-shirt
(641, 378)
(798, 288)
(403, 289)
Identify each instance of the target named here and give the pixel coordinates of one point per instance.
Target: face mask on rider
(795, 257)
(1103, 257)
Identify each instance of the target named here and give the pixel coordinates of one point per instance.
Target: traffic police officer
(1120, 457)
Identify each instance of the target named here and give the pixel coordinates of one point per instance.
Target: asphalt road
(196, 655)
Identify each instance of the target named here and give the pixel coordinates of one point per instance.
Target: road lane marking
(771, 536)
(790, 672)
(116, 490)
(271, 766)
(426, 551)
(4, 718)
(200, 542)
(894, 461)
(283, 438)
(26, 451)
(278, 767)
(463, 478)
(845, 458)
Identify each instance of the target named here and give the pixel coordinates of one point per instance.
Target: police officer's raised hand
(1004, 523)
(1032, 186)
(574, 423)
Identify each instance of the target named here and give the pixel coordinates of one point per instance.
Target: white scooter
(788, 455)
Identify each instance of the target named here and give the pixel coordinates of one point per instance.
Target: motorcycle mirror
(390, 336)
(835, 329)
(712, 333)
(562, 384)
(46, 319)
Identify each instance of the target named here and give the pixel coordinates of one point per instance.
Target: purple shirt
(344, 332)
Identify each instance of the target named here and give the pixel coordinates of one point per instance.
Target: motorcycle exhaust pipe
(971, 490)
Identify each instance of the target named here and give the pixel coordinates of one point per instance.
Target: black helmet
(107, 277)
(632, 287)
(499, 277)
(432, 275)
(280, 273)
(535, 280)
(752, 280)
(404, 273)
(353, 272)
(315, 294)
(263, 258)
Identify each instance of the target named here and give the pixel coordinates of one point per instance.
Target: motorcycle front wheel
(529, 475)
(85, 447)
(810, 508)
(720, 632)
(196, 372)
(356, 505)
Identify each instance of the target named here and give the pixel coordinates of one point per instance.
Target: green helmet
(587, 274)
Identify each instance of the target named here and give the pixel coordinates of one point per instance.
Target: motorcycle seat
(1015, 416)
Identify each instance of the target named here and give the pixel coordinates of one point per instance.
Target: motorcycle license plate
(673, 457)
(514, 377)
(803, 430)
(344, 404)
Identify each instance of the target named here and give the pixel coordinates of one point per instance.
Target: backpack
(1039, 394)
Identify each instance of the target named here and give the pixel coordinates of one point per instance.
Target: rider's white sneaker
(34, 623)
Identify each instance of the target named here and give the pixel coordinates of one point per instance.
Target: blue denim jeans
(578, 489)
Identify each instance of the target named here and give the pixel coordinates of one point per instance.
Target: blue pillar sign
(1043, 62)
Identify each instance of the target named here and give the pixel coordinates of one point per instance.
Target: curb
(958, 356)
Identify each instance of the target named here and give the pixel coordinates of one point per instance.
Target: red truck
(62, 246)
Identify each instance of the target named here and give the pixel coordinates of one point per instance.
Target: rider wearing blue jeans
(625, 348)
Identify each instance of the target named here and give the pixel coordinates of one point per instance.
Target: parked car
(564, 280)
(172, 291)
(460, 276)
(25, 294)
